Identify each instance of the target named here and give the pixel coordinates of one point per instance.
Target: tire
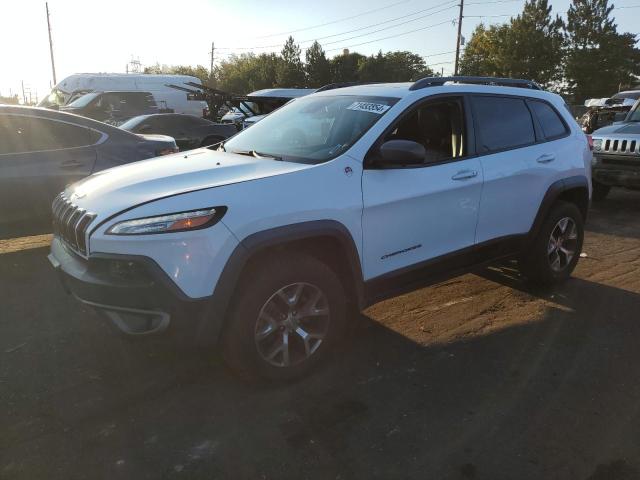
(260, 319)
(547, 262)
(210, 141)
(600, 191)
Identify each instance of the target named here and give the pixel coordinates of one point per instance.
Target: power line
(496, 1)
(392, 26)
(449, 2)
(388, 21)
(488, 16)
(333, 21)
(394, 36)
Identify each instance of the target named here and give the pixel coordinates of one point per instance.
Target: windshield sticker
(378, 108)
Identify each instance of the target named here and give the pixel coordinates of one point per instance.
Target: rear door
(517, 165)
(38, 158)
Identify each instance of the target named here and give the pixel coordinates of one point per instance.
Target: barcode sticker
(378, 108)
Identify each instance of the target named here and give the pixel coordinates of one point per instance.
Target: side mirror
(402, 152)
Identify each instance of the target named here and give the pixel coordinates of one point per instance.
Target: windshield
(84, 100)
(634, 114)
(312, 129)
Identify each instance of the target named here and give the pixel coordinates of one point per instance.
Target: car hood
(111, 191)
(628, 128)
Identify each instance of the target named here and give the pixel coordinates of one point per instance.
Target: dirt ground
(479, 377)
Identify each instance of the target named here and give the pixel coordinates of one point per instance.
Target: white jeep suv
(333, 202)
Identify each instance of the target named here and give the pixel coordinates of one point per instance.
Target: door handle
(464, 175)
(546, 158)
(71, 164)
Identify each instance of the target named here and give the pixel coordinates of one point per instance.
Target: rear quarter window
(502, 123)
(552, 125)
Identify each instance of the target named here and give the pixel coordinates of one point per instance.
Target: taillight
(590, 140)
(167, 151)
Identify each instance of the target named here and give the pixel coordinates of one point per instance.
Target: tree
(399, 66)
(534, 44)
(529, 46)
(290, 71)
(599, 60)
(198, 71)
(247, 72)
(317, 66)
(483, 55)
(344, 67)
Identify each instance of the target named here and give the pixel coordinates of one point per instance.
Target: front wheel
(288, 313)
(556, 249)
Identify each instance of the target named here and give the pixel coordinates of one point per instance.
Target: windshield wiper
(253, 153)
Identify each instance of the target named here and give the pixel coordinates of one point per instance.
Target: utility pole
(455, 70)
(213, 49)
(53, 65)
(24, 97)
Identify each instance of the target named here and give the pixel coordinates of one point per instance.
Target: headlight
(174, 222)
(597, 143)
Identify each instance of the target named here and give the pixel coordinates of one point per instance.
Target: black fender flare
(259, 241)
(554, 192)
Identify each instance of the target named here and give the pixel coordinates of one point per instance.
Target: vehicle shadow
(554, 395)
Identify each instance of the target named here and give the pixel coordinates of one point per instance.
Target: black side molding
(554, 192)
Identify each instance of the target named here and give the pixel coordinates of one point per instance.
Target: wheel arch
(328, 240)
(572, 189)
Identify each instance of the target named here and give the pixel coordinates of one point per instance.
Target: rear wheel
(600, 191)
(555, 251)
(288, 313)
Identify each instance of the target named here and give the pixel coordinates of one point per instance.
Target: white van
(167, 98)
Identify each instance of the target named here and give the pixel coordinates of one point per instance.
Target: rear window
(502, 123)
(550, 121)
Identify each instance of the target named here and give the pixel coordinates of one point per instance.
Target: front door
(419, 213)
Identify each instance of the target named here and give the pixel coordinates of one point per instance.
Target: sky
(92, 36)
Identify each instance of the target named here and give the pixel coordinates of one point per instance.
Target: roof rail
(503, 82)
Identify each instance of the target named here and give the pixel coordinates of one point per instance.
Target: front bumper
(132, 292)
(616, 172)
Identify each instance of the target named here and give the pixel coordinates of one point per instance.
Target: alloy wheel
(563, 244)
(292, 324)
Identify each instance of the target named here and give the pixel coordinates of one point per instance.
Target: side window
(502, 123)
(438, 126)
(552, 125)
(31, 134)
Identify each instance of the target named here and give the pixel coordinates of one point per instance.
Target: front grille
(70, 223)
(620, 146)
